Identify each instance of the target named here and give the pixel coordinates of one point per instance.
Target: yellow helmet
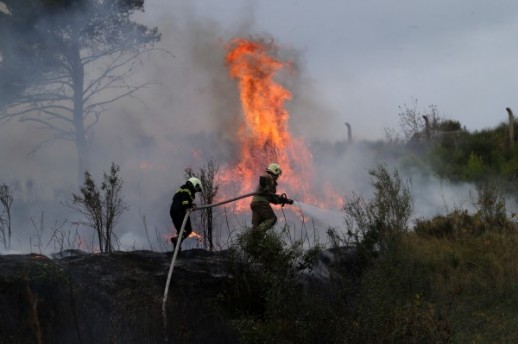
(196, 183)
(274, 168)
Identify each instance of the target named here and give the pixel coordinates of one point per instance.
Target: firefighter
(183, 199)
(263, 217)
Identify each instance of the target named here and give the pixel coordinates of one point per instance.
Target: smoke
(189, 115)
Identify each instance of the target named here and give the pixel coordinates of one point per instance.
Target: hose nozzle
(285, 200)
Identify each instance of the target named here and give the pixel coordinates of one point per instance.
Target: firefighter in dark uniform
(263, 216)
(182, 200)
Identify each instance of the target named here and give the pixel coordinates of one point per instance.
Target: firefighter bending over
(182, 200)
(263, 217)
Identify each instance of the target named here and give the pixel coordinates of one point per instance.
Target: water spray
(333, 219)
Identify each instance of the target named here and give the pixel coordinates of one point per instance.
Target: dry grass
(474, 281)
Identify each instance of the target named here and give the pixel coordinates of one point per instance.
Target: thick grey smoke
(189, 115)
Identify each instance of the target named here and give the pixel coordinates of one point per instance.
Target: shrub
(490, 205)
(210, 187)
(271, 305)
(448, 125)
(102, 207)
(373, 225)
(451, 226)
(396, 302)
(475, 167)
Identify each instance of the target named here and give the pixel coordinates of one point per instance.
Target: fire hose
(179, 243)
(283, 200)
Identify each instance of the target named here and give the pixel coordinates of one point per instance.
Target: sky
(365, 59)
(356, 62)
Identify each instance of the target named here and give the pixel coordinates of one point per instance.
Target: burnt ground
(117, 298)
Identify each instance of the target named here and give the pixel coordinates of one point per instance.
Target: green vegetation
(460, 155)
(449, 279)
(452, 278)
(267, 303)
(373, 226)
(438, 290)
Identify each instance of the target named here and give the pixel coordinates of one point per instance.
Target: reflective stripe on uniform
(185, 190)
(189, 193)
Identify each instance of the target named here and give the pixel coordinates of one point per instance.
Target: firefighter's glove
(193, 206)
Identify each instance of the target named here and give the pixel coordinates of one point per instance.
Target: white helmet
(274, 168)
(196, 183)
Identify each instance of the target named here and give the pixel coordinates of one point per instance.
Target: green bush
(491, 207)
(395, 304)
(475, 167)
(373, 225)
(435, 290)
(448, 125)
(271, 305)
(451, 226)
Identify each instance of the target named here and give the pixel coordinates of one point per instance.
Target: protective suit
(183, 199)
(263, 216)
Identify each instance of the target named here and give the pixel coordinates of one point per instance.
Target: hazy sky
(358, 62)
(366, 58)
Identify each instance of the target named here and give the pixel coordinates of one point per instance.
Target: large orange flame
(263, 135)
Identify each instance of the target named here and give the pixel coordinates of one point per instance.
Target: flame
(195, 235)
(263, 135)
(167, 236)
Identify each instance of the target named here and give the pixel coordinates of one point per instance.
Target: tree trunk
(78, 76)
(81, 144)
